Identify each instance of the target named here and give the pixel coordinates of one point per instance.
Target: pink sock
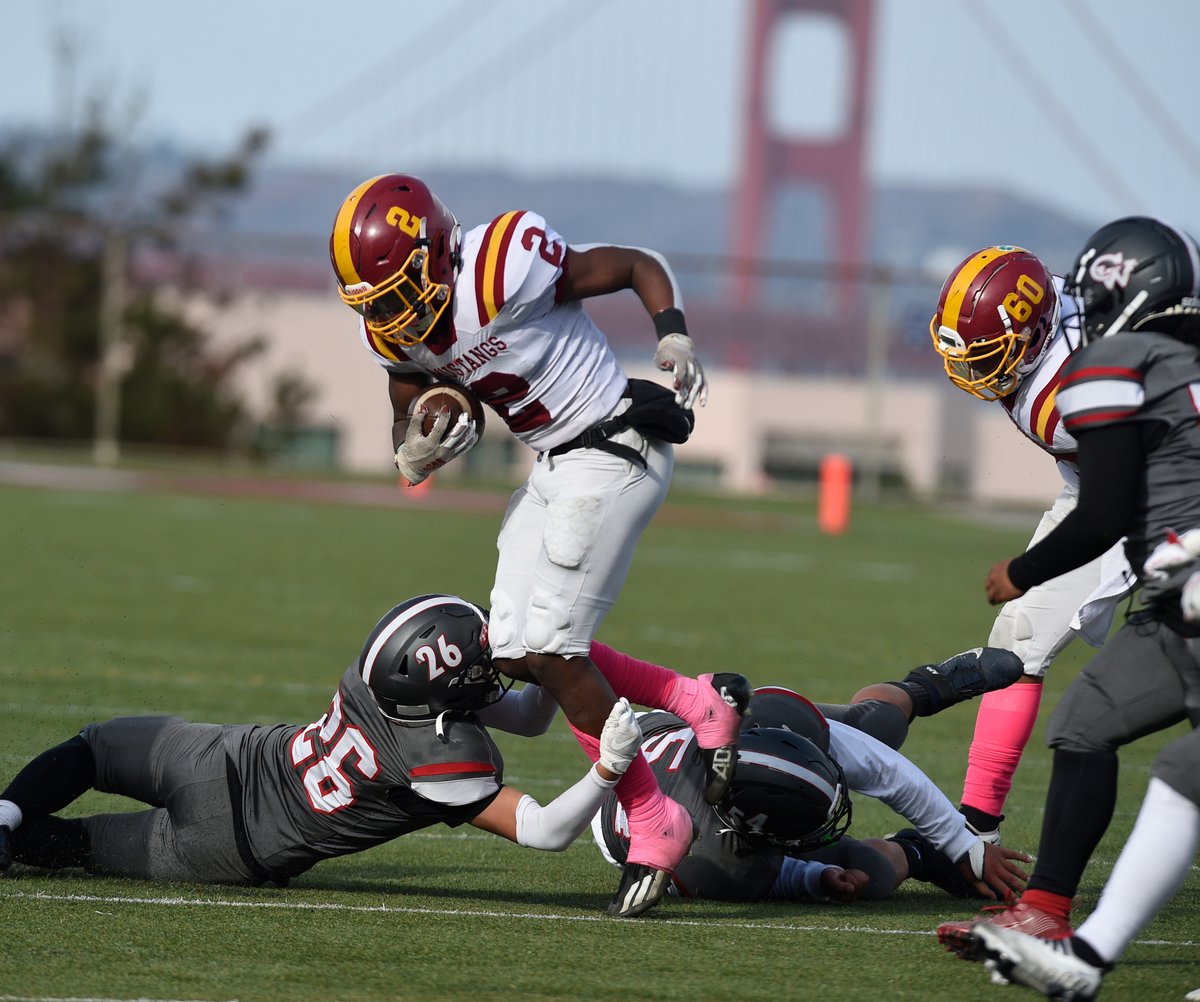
(640, 682)
(638, 790)
(589, 744)
(660, 830)
(1002, 728)
(692, 700)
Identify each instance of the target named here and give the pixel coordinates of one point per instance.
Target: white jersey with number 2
(541, 364)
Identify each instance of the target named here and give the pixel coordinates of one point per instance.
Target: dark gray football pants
(1134, 686)
(179, 769)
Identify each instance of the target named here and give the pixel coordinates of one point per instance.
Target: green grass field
(240, 609)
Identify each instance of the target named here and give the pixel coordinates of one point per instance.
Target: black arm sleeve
(1110, 481)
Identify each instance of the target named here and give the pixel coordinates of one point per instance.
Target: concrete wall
(932, 436)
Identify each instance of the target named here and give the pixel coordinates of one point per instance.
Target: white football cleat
(1049, 966)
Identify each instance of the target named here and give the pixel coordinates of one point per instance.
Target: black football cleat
(641, 888)
(720, 762)
(989, 831)
(934, 688)
(5, 847)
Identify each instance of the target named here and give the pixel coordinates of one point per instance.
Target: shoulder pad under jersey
(511, 266)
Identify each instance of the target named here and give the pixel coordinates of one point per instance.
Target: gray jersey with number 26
(354, 779)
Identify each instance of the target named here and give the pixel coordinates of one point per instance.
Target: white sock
(1152, 866)
(10, 814)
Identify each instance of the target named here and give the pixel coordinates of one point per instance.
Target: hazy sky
(1091, 104)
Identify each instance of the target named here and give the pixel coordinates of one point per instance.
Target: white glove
(421, 454)
(620, 739)
(1172, 554)
(677, 354)
(1189, 601)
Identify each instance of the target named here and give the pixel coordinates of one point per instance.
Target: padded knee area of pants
(877, 867)
(503, 635)
(1014, 630)
(571, 528)
(548, 625)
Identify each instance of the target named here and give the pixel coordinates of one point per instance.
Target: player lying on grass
(780, 834)
(401, 747)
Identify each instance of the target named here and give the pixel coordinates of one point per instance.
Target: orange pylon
(836, 483)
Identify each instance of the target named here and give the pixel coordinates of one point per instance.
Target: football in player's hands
(448, 396)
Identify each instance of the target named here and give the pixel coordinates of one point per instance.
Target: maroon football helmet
(396, 251)
(995, 315)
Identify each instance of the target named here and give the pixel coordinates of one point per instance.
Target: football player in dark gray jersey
(400, 748)
(780, 834)
(1131, 397)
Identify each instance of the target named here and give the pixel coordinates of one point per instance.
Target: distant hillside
(802, 317)
(912, 227)
(800, 320)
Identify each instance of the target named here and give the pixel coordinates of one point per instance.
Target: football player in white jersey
(1005, 330)
(499, 310)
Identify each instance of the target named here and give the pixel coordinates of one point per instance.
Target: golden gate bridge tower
(834, 162)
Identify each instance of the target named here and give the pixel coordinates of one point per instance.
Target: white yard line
(177, 902)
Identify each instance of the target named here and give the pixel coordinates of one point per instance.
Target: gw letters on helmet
(1138, 273)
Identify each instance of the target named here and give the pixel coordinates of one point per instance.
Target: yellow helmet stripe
(962, 282)
(342, 258)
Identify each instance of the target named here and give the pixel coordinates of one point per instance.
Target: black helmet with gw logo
(1138, 273)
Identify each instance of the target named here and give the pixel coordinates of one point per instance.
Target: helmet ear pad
(786, 791)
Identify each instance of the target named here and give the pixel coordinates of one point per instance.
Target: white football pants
(567, 542)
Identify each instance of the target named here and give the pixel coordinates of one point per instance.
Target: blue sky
(1087, 104)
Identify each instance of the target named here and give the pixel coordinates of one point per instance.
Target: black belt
(240, 838)
(599, 437)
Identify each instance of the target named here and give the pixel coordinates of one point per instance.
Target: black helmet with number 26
(1138, 273)
(786, 791)
(428, 655)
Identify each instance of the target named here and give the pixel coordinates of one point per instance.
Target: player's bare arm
(597, 271)
(843, 885)
(998, 586)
